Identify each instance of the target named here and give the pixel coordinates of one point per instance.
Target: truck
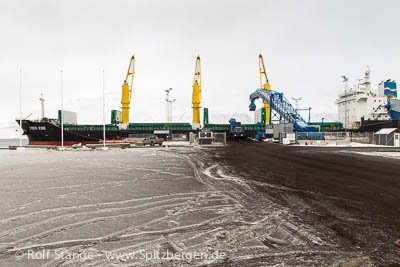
(153, 140)
(236, 128)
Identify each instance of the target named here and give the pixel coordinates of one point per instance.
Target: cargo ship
(46, 131)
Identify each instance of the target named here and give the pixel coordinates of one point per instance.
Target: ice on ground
(175, 143)
(354, 144)
(333, 144)
(385, 154)
(136, 200)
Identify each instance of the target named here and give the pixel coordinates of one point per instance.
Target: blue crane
(282, 107)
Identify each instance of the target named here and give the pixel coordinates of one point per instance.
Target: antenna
(345, 80)
(367, 82)
(359, 83)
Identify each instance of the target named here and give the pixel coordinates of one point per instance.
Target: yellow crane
(196, 96)
(127, 91)
(264, 84)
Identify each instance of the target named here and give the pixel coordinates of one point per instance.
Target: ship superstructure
(361, 102)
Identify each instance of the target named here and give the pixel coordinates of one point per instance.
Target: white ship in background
(360, 102)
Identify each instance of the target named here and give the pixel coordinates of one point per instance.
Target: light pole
(170, 109)
(169, 105)
(104, 117)
(20, 110)
(322, 123)
(62, 110)
(296, 100)
(167, 100)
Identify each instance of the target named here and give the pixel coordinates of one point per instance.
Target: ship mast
(367, 82)
(41, 99)
(346, 84)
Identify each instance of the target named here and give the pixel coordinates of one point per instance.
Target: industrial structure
(50, 131)
(196, 95)
(264, 83)
(127, 91)
(47, 131)
(280, 108)
(277, 118)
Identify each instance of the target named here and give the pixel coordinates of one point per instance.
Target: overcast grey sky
(307, 46)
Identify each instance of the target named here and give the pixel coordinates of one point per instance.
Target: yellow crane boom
(196, 95)
(127, 91)
(264, 84)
